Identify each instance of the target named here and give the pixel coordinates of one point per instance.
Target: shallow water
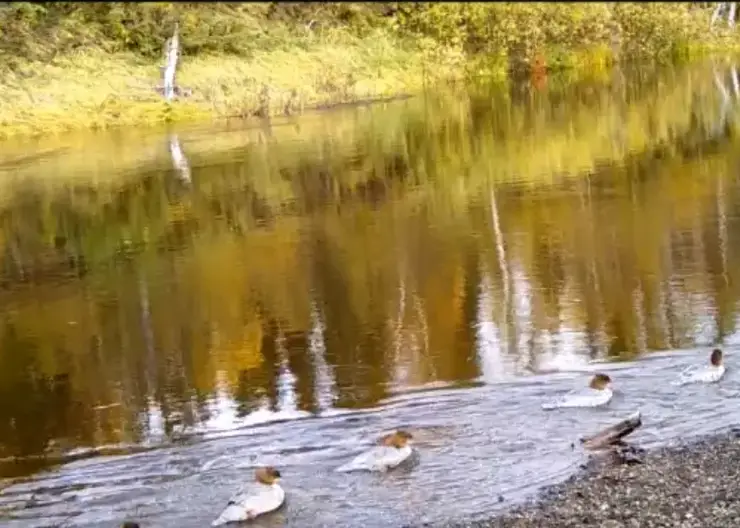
(284, 294)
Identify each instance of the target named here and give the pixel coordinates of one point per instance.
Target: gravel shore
(692, 486)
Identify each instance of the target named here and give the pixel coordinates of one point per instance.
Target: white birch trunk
(172, 51)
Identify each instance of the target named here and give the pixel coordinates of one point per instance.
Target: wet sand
(693, 485)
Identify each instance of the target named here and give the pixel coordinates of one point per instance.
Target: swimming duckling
(393, 449)
(598, 392)
(707, 373)
(261, 496)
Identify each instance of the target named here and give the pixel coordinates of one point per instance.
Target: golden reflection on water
(478, 235)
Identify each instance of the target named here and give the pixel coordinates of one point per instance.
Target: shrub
(519, 31)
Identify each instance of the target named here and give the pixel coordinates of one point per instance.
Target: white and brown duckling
(710, 373)
(261, 496)
(392, 450)
(599, 392)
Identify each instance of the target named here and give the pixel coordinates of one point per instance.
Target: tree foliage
(519, 30)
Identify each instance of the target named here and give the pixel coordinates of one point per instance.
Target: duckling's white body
(587, 397)
(703, 374)
(253, 500)
(379, 458)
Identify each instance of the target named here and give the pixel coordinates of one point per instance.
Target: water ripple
(480, 448)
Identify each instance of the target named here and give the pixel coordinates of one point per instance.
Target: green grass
(94, 89)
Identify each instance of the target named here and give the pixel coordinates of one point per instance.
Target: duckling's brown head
(267, 475)
(399, 439)
(600, 382)
(129, 524)
(716, 357)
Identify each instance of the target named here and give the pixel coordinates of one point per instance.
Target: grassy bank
(69, 65)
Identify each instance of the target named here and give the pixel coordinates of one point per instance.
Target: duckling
(711, 373)
(598, 392)
(393, 449)
(261, 496)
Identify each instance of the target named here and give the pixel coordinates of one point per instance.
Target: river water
(182, 305)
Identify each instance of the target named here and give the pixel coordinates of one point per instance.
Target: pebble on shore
(691, 486)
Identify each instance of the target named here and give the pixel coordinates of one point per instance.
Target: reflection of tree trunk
(324, 384)
(421, 316)
(590, 280)
(148, 333)
(619, 327)
(397, 323)
(354, 348)
(372, 350)
(466, 365)
(508, 330)
(641, 316)
(722, 228)
(716, 258)
(338, 317)
(301, 364)
(178, 158)
(638, 337)
(258, 384)
(652, 307)
(618, 343)
(286, 377)
(188, 363)
(668, 309)
(156, 381)
(269, 369)
(594, 315)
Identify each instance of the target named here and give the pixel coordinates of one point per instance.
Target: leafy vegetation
(67, 65)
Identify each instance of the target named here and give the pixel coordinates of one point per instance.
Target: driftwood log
(609, 446)
(613, 436)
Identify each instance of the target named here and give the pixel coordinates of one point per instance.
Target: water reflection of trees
(35, 407)
(153, 294)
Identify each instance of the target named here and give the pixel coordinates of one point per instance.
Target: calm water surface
(180, 306)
